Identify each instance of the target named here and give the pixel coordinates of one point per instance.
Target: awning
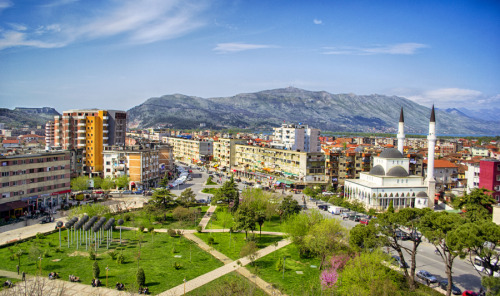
(13, 205)
(286, 182)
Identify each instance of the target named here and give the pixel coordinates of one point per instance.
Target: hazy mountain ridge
(31, 117)
(320, 109)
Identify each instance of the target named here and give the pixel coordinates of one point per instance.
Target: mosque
(389, 179)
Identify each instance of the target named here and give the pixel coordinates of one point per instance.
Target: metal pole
(59, 237)
(68, 237)
(284, 259)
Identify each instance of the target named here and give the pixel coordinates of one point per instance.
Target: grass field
(230, 284)
(140, 217)
(157, 257)
(237, 242)
(209, 190)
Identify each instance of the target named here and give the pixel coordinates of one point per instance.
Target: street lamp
(59, 224)
(107, 269)
(40, 258)
(284, 259)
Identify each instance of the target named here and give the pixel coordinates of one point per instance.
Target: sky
(115, 54)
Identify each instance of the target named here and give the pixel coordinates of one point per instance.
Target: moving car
(426, 276)
(454, 289)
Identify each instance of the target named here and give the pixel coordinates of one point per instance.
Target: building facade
(34, 181)
(490, 177)
(225, 152)
(90, 130)
(191, 151)
(297, 138)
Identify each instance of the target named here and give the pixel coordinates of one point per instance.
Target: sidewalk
(44, 286)
(229, 266)
(204, 221)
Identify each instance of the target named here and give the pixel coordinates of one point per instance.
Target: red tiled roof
(441, 163)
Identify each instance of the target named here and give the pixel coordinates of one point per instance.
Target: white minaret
(431, 146)
(401, 132)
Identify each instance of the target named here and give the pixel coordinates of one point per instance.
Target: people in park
(8, 284)
(96, 283)
(73, 278)
(53, 275)
(120, 286)
(144, 290)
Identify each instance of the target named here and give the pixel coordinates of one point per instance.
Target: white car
(115, 192)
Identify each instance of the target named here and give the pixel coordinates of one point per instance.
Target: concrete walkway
(204, 221)
(229, 266)
(35, 285)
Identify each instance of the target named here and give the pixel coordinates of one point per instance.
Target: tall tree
(228, 192)
(478, 204)
(442, 230)
(244, 218)
(162, 198)
(80, 183)
(97, 182)
(297, 227)
(289, 206)
(122, 181)
(364, 237)
(187, 197)
(225, 219)
(325, 237)
(391, 224)
(107, 183)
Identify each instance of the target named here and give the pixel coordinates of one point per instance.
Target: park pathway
(43, 286)
(204, 221)
(229, 266)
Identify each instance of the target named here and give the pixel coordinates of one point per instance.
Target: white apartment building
(297, 138)
(472, 176)
(225, 151)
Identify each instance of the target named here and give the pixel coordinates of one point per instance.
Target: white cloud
(317, 22)
(4, 4)
(58, 3)
(136, 22)
(398, 49)
(18, 27)
(237, 47)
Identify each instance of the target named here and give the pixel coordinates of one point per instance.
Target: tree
(289, 206)
(308, 191)
(329, 277)
(97, 182)
(325, 237)
(80, 183)
(244, 218)
(228, 192)
(162, 198)
(390, 225)
(141, 277)
(390, 208)
(365, 276)
(478, 204)
(249, 249)
(260, 218)
(19, 254)
(122, 181)
(225, 219)
(442, 230)
(164, 181)
(95, 270)
(181, 214)
(297, 227)
(187, 197)
(107, 183)
(492, 285)
(364, 237)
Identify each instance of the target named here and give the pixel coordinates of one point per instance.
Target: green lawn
(140, 217)
(209, 190)
(230, 284)
(293, 283)
(237, 242)
(157, 259)
(269, 225)
(3, 279)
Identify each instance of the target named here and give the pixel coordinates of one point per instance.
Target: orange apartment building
(87, 132)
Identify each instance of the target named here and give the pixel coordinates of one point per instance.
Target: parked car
(323, 207)
(397, 261)
(426, 276)
(454, 289)
(138, 191)
(364, 221)
(127, 192)
(46, 219)
(469, 293)
(402, 235)
(115, 192)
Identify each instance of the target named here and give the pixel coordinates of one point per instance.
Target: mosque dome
(391, 153)
(397, 171)
(377, 170)
(422, 194)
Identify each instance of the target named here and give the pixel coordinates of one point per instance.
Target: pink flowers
(330, 276)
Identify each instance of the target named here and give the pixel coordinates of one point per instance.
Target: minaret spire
(401, 132)
(431, 146)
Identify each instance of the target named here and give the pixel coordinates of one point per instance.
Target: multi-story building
(445, 172)
(472, 176)
(166, 158)
(480, 151)
(297, 138)
(191, 151)
(346, 164)
(490, 176)
(140, 164)
(90, 130)
(280, 166)
(33, 181)
(225, 152)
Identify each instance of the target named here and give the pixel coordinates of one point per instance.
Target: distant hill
(319, 109)
(31, 117)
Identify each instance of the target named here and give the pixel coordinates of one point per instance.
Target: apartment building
(346, 164)
(277, 165)
(225, 152)
(90, 130)
(33, 181)
(297, 138)
(140, 164)
(490, 176)
(191, 151)
(472, 175)
(445, 173)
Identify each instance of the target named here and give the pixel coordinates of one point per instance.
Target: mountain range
(29, 117)
(319, 109)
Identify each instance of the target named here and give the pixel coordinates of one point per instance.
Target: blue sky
(115, 54)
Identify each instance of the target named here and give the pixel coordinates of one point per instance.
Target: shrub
(251, 238)
(174, 250)
(179, 232)
(141, 277)
(127, 217)
(46, 253)
(91, 254)
(141, 228)
(211, 241)
(113, 254)
(171, 232)
(95, 270)
(199, 228)
(177, 265)
(279, 264)
(40, 235)
(59, 250)
(120, 259)
(151, 229)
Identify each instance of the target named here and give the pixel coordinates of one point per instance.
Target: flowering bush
(330, 276)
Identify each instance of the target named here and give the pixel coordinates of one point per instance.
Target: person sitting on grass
(120, 286)
(8, 284)
(73, 278)
(96, 283)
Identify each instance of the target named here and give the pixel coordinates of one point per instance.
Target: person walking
(17, 266)
(23, 278)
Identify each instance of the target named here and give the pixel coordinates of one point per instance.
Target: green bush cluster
(171, 232)
(141, 277)
(177, 265)
(120, 259)
(95, 270)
